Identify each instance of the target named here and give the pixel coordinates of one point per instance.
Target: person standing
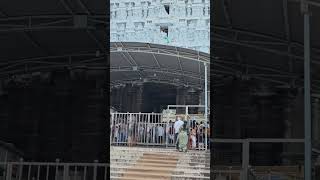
(170, 132)
(141, 132)
(177, 125)
(183, 139)
(193, 138)
(160, 133)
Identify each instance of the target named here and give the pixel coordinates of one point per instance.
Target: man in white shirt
(177, 125)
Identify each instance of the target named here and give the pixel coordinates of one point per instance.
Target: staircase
(155, 163)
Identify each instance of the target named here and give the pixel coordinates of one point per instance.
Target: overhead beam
(84, 7)
(220, 30)
(94, 38)
(35, 43)
(67, 7)
(274, 51)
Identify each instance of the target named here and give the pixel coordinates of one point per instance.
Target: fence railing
(147, 129)
(53, 171)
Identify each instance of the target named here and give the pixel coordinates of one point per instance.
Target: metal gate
(148, 129)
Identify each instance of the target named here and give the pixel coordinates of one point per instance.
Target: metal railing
(247, 172)
(227, 173)
(275, 175)
(146, 129)
(53, 171)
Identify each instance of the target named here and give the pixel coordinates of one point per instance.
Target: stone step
(174, 155)
(197, 166)
(152, 156)
(157, 150)
(137, 178)
(132, 154)
(156, 161)
(154, 178)
(143, 169)
(147, 175)
(179, 163)
(157, 154)
(172, 177)
(185, 170)
(179, 177)
(163, 159)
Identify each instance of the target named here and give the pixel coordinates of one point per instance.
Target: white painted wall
(188, 22)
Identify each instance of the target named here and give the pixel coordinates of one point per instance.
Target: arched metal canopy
(136, 63)
(263, 40)
(53, 34)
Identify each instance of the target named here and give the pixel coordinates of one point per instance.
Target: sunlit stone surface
(181, 23)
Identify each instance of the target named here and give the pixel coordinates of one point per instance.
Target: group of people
(183, 134)
(189, 135)
(130, 132)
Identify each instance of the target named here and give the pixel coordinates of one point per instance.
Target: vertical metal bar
(112, 128)
(307, 102)
(148, 129)
(186, 113)
(66, 172)
(47, 173)
(245, 159)
(167, 132)
(20, 168)
(75, 172)
(29, 171)
(9, 171)
(206, 102)
(95, 170)
(85, 173)
(57, 166)
(38, 172)
(105, 172)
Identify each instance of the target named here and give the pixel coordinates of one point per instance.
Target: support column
(206, 102)
(181, 98)
(139, 100)
(245, 159)
(315, 120)
(307, 103)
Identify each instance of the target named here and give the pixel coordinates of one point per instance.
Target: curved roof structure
(136, 63)
(263, 40)
(55, 33)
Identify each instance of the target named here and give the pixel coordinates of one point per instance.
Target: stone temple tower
(181, 23)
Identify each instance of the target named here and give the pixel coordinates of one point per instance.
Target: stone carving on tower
(182, 23)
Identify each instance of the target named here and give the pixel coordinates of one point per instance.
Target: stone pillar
(192, 99)
(139, 99)
(181, 99)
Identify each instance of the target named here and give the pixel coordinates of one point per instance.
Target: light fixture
(134, 68)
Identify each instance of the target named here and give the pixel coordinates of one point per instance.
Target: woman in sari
(183, 138)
